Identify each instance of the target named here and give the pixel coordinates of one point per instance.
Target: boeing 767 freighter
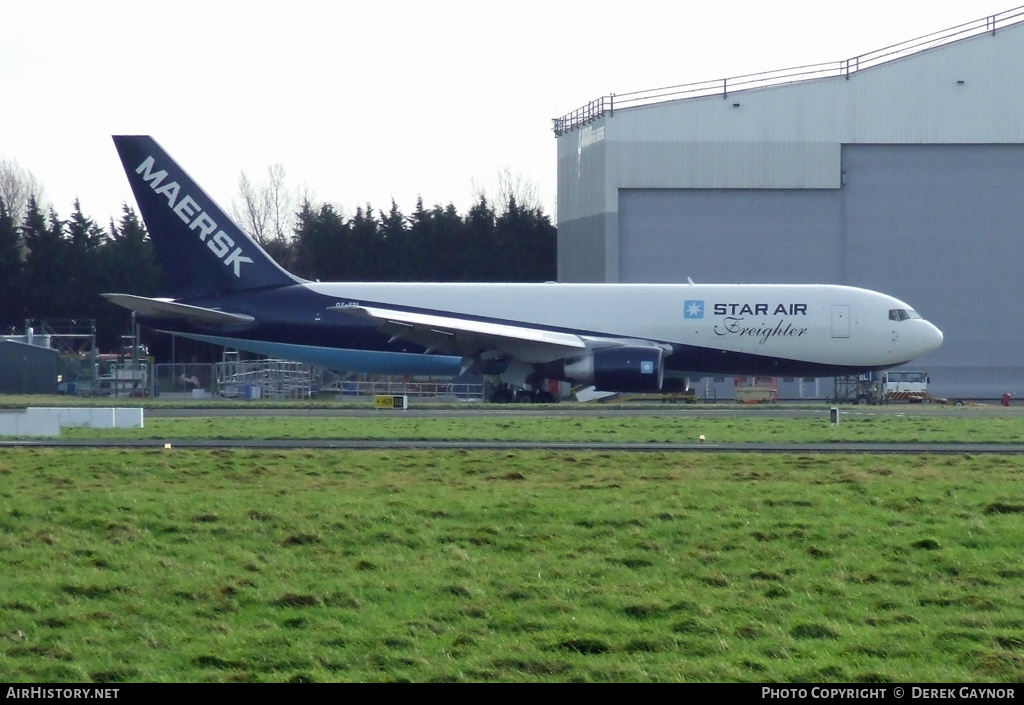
(614, 337)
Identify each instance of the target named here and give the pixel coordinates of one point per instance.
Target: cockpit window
(902, 314)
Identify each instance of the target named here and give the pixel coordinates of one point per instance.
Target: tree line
(56, 268)
(52, 268)
(436, 244)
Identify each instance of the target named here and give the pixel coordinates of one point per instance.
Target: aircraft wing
(167, 308)
(467, 337)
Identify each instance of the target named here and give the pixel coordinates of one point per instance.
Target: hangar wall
(905, 178)
(937, 226)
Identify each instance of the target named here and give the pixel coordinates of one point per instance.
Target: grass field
(234, 565)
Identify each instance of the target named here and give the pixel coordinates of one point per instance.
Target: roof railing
(606, 104)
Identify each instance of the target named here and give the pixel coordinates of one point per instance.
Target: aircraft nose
(932, 338)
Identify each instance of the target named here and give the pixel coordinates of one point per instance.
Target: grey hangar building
(901, 170)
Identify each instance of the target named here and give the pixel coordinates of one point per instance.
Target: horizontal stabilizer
(166, 308)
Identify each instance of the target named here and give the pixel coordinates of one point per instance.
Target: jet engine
(617, 369)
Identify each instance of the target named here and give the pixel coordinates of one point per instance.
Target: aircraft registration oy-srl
(226, 290)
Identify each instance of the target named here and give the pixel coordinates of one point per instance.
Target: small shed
(27, 369)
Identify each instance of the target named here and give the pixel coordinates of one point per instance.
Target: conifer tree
(12, 314)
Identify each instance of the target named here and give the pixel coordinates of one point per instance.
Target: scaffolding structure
(263, 379)
(70, 337)
(856, 389)
(75, 340)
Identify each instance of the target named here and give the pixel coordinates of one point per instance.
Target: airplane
(645, 338)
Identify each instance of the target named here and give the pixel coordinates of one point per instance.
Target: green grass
(685, 428)
(231, 565)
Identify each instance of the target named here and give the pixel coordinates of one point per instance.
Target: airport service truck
(893, 386)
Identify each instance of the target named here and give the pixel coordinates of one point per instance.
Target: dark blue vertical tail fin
(201, 250)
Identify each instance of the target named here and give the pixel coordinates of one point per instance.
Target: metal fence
(441, 389)
(282, 379)
(606, 105)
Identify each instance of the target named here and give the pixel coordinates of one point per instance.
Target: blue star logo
(693, 309)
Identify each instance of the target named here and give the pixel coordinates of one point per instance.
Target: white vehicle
(612, 337)
(906, 385)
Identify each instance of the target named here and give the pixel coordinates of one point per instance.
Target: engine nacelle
(679, 385)
(618, 369)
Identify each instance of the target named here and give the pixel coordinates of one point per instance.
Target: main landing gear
(505, 394)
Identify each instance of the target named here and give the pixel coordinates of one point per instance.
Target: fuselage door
(840, 321)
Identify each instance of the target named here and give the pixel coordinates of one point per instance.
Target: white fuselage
(821, 324)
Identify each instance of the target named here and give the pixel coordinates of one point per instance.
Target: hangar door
(729, 235)
(939, 226)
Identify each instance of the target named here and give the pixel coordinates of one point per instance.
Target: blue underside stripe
(370, 362)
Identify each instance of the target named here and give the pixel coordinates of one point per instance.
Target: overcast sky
(369, 101)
